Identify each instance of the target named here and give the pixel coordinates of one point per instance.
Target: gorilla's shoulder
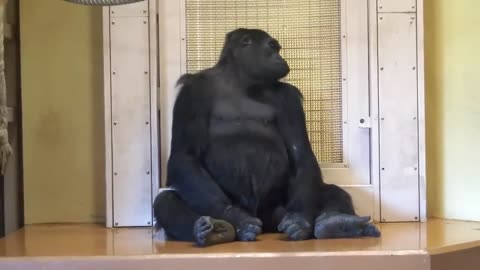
(199, 81)
(185, 79)
(290, 91)
(190, 79)
(195, 88)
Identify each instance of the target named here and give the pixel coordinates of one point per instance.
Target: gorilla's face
(258, 54)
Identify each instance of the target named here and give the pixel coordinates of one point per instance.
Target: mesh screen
(310, 34)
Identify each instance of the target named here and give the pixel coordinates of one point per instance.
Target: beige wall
(61, 47)
(453, 108)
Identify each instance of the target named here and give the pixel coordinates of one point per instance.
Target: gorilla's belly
(248, 167)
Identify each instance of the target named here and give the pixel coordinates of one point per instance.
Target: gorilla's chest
(246, 154)
(240, 114)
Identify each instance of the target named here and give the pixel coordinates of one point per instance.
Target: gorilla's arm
(306, 179)
(308, 194)
(307, 191)
(189, 137)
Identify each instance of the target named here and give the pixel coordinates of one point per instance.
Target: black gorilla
(241, 162)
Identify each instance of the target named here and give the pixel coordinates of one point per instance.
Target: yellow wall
(453, 107)
(62, 80)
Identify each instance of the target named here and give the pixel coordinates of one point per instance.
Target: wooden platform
(438, 244)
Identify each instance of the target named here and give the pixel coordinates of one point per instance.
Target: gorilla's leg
(181, 223)
(338, 218)
(271, 217)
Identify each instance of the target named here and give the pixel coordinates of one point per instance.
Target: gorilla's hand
(296, 226)
(337, 225)
(249, 228)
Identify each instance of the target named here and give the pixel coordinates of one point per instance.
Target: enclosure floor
(95, 240)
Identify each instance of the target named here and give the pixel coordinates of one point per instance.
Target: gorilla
(241, 163)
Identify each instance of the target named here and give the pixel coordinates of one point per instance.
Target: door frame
(170, 54)
(355, 50)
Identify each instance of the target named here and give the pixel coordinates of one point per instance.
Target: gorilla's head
(255, 53)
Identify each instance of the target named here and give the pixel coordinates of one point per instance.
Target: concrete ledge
(413, 261)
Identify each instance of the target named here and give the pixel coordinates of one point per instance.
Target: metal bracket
(365, 122)
(8, 31)
(10, 114)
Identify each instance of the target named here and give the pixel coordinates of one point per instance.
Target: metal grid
(310, 34)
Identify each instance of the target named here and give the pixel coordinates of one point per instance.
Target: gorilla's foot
(248, 229)
(296, 227)
(344, 226)
(208, 231)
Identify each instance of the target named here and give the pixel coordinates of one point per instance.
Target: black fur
(240, 153)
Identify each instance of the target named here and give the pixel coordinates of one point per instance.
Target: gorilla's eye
(274, 45)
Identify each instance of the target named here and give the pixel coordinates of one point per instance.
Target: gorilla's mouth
(283, 68)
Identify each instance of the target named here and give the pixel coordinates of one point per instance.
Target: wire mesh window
(310, 34)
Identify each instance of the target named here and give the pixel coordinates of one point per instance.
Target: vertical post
(2, 206)
(130, 113)
(13, 186)
(400, 111)
(421, 112)
(2, 87)
(171, 31)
